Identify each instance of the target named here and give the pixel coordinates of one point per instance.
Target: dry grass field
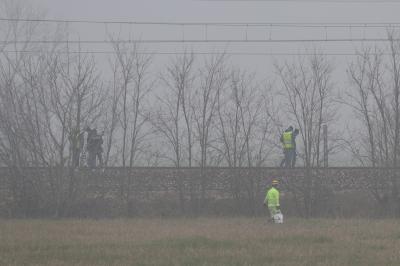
(203, 241)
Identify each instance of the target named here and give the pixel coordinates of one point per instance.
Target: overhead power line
(313, 1)
(219, 24)
(199, 41)
(195, 53)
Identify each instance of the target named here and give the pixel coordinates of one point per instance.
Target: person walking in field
(272, 201)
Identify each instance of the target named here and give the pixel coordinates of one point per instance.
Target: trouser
(100, 158)
(91, 159)
(294, 156)
(288, 158)
(76, 157)
(272, 211)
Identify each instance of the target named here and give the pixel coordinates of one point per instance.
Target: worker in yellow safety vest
(272, 199)
(288, 147)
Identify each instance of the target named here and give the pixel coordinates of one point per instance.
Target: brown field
(203, 241)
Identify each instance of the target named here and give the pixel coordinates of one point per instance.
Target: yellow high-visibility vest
(272, 197)
(288, 140)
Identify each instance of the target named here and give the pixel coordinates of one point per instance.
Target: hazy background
(253, 57)
(226, 11)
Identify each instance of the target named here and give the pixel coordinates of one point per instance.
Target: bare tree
(187, 82)
(83, 87)
(363, 77)
(171, 118)
(126, 74)
(133, 71)
(239, 111)
(11, 86)
(25, 113)
(112, 112)
(375, 97)
(142, 87)
(213, 78)
(307, 93)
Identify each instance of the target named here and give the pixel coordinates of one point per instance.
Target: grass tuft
(193, 242)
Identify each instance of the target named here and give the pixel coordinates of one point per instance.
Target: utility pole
(325, 136)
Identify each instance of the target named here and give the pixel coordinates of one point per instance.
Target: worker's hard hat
(275, 182)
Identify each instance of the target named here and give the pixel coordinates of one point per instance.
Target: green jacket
(272, 197)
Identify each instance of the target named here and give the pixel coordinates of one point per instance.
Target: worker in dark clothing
(77, 140)
(98, 142)
(94, 148)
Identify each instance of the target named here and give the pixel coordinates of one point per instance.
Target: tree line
(197, 111)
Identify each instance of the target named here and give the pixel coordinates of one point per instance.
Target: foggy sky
(208, 11)
(246, 11)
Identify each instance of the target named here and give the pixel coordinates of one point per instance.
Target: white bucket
(278, 218)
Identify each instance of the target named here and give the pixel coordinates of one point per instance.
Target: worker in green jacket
(272, 199)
